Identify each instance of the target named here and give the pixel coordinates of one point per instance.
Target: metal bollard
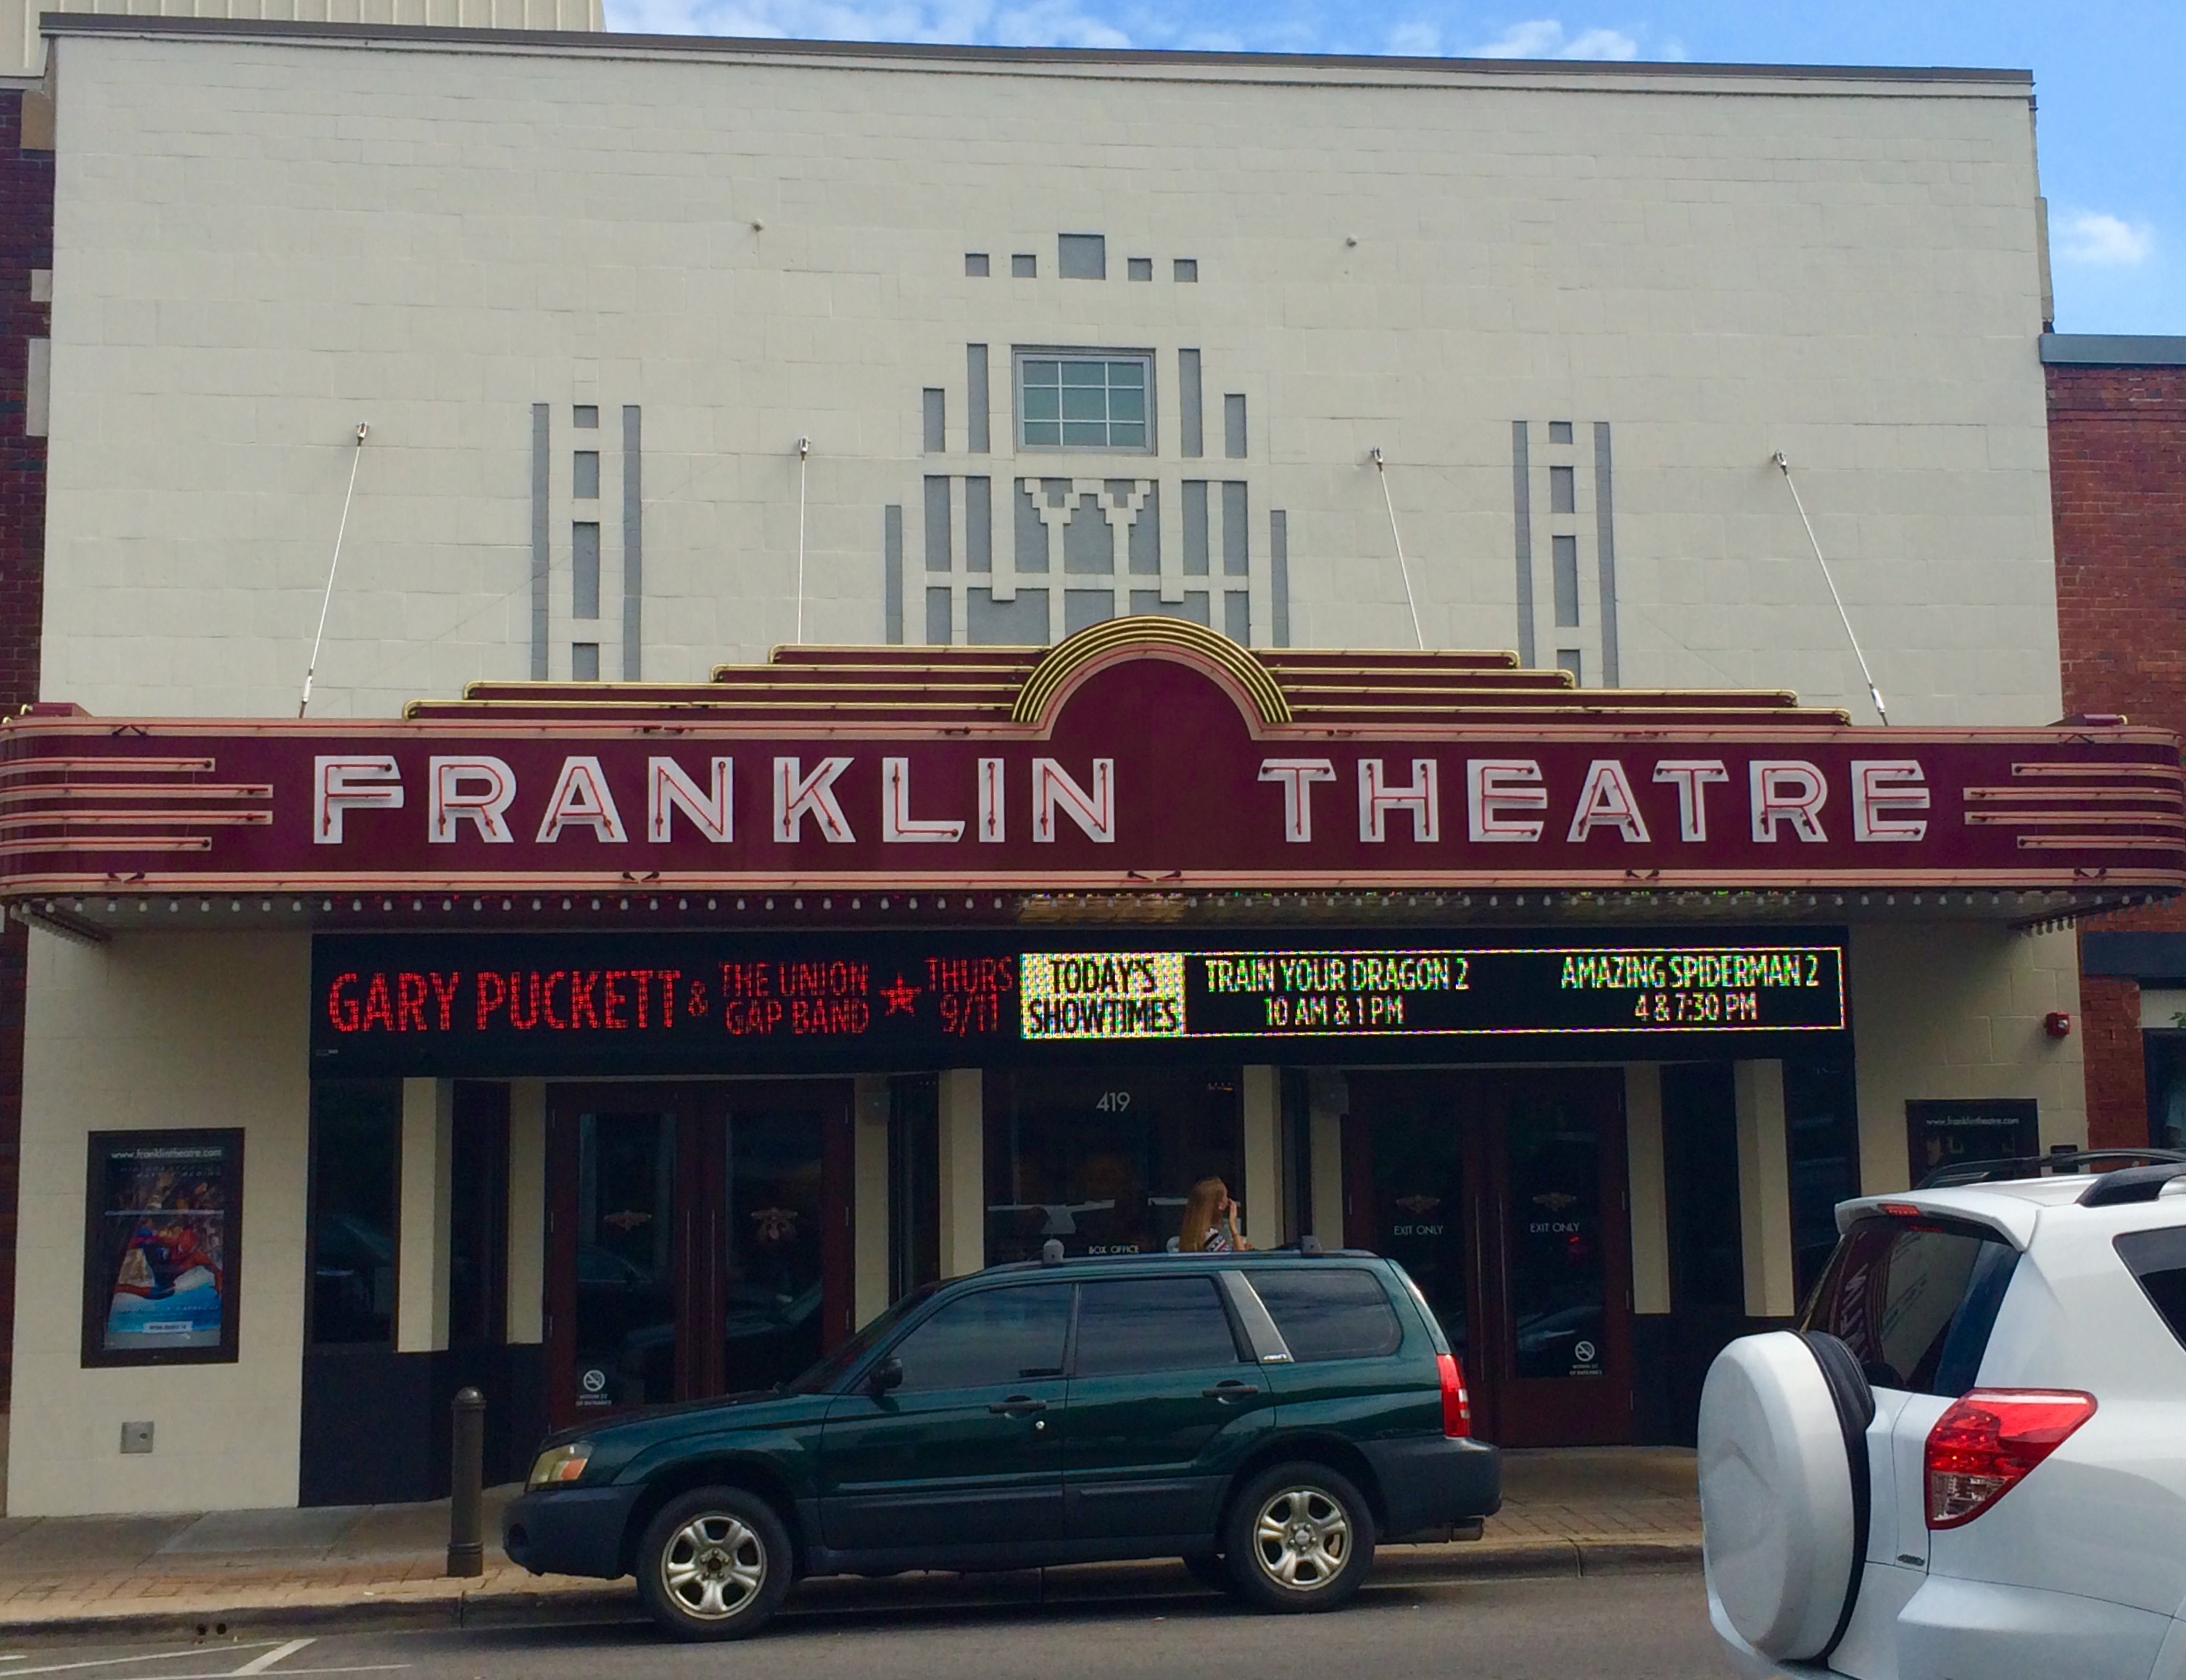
(467, 1467)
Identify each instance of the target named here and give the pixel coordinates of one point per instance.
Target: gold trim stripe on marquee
(1073, 654)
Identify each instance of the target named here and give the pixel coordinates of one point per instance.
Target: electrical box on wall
(137, 1438)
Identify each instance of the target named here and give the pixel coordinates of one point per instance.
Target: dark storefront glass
(356, 1131)
(1700, 1163)
(772, 1242)
(1821, 1121)
(478, 1216)
(2167, 1089)
(914, 1183)
(1420, 1205)
(1556, 1279)
(1103, 1160)
(625, 1329)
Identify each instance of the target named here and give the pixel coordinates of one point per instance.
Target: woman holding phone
(1210, 1220)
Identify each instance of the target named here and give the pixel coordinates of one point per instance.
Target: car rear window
(2158, 1259)
(1915, 1300)
(1329, 1313)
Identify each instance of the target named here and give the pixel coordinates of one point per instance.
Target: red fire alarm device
(2057, 1024)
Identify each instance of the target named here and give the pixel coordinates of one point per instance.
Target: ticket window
(1102, 1162)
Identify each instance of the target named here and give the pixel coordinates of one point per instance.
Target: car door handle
(1018, 1406)
(1231, 1390)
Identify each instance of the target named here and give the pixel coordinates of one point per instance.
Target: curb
(611, 1603)
(1580, 1559)
(614, 1602)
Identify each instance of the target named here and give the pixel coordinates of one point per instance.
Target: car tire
(714, 1563)
(1299, 1536)
(1208, 1569)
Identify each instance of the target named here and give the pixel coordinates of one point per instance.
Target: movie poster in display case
(163, 1238)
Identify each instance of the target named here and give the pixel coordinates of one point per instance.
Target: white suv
(1969, 1462)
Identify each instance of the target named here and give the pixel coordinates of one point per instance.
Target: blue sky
(2112, 124)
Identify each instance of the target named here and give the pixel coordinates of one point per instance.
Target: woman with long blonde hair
(1210, 1220)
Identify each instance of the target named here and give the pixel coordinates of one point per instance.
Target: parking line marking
(278, 1654)
(147, 1656)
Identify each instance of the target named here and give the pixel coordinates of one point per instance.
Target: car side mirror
(886, 1376)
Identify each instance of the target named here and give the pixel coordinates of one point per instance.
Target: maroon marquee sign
(1127, 760)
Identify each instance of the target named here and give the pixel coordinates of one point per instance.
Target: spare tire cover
(1779, 1535)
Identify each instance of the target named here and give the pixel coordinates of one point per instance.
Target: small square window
(1025, 266)
(586, 415)
(1560, 431)
(584, 661)
(975, 264)
(1082, 256)
(1084, 400)
(1139, 268)
(584, 477)
(1187, 271)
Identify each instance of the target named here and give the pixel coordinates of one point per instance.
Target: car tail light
(1456, 1403)
(1985, 1444)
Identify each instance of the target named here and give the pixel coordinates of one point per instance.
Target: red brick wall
(2117, 477)
(26, 242)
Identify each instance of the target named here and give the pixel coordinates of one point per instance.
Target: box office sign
(1145, 774)
(162, 1240)
(597, 1004)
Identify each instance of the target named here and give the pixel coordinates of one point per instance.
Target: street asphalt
(1636, 1627)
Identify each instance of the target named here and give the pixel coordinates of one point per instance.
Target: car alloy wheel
(1302, 1538)
(714, 1567)
(714, 1563)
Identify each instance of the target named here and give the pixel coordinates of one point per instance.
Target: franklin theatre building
(641, 1011)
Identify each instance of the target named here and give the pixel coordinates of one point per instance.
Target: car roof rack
(2132, 1184)
(1305, 1248)
(2057, 1161)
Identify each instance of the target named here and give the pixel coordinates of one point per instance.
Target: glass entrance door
(698, 1238)
(1563, 1326)
(1503, 1195)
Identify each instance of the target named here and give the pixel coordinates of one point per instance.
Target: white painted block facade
(262, 242)
(156, 1030)
(23, 46)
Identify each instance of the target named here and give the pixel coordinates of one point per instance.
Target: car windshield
(820, 1377)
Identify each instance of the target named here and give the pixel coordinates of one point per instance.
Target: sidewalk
(1570, 1510)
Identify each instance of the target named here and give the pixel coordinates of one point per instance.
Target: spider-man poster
(162, 1243)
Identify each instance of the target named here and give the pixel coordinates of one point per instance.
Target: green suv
(1264, 1416)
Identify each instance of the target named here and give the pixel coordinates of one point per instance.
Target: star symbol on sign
(900, 997)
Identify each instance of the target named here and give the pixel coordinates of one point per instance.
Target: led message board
(612, 1004)
(1431, 993)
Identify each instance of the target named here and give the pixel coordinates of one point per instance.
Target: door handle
(1229, 1389)
(1018, 1406)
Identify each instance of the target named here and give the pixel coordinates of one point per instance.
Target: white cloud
(1415, 38)
(1054, 23)
(1111, 24)
(1545, 38)
(1030, 23)
(2101, 241)
(1601, 43)
(1536, 40)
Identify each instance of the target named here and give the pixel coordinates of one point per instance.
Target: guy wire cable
(326, 600)
(804, 450)
(1381, 471)
(1783, 466)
